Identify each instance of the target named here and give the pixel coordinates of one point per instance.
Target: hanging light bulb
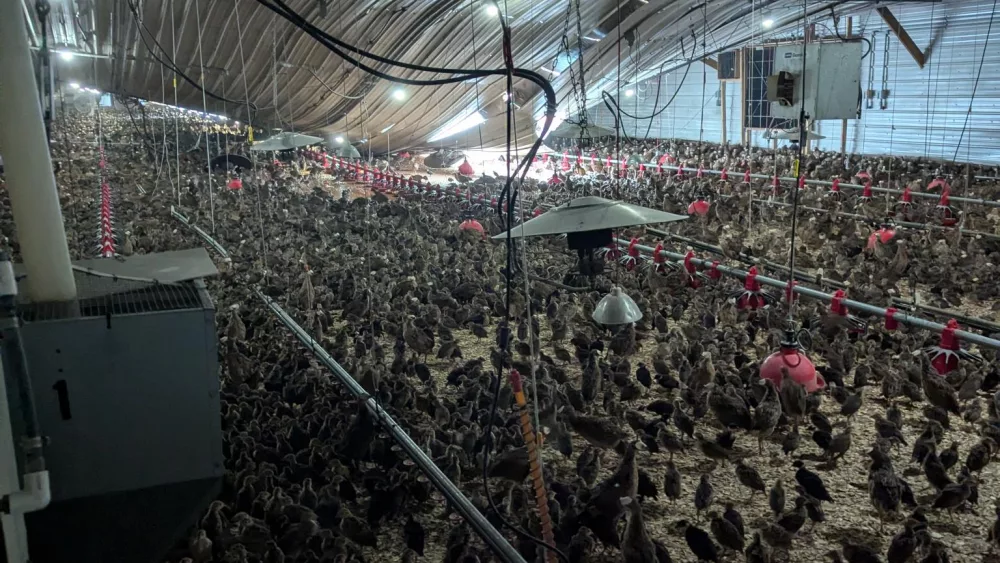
(616, 308)
(339, 139)
(629, 93)
(66, 55)
(492, 10)
(399, 94)
(767, 22)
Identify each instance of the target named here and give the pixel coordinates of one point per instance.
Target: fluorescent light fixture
(457, 125)
(339, 139)
(629, 93)
(594, 39)
(74, 85)
(550, 71)
(66, 55)
(492, 10)
(386, 129)
(768, 23)
(399, 94)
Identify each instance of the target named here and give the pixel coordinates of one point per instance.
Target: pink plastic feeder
(800, 368)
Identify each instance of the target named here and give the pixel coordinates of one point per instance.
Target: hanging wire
(258, 183)
(803, 135)
(968, 115)
(177, 133)
(204, 105)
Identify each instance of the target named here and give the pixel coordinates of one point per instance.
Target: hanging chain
(870, 92)
(883, 101)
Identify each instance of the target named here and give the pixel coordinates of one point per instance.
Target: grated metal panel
(99, 296)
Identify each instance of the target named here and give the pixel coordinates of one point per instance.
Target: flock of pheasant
(661, 441)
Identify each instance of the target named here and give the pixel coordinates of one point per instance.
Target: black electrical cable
(510, 191)
(170, 64)
(975, 86)
(836, 30)
(609, 100)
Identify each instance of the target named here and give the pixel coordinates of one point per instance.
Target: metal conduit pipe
(907, 224)
(826, 297)
(479, 523)
(925, 195)
(805, 277)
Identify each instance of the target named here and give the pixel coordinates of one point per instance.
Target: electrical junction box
(832, 79)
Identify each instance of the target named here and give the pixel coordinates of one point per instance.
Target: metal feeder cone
(800, 367)
(616, 308)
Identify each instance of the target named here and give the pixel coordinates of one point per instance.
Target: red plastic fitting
(890, 319)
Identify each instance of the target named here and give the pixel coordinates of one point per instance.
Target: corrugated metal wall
(927, 107)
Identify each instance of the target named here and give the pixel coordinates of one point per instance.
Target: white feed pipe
(28, 167)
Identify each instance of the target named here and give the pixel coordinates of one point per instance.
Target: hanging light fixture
(399, 94)
(616, 308)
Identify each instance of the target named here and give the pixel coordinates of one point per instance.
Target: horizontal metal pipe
(805, 277)
(826, 297)
(925, 195)
(499, 545)
(907, 224)
(479, 523)
(205, 236)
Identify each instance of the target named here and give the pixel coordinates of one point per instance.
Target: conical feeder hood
(285, 141)
(616, 308)
(589, 213)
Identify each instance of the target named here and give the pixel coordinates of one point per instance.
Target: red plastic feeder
(944, 357)
(564, 165)
(866, 194)
(465, 169)
(472, 225)
(692, 270)
(746, 176)
(800, 368)
(883, 235)
(751, 296)
(634, 257)
(555, 179)
(944, 210)
(724, 175)
(235, 184)
(835, 188)
(699, 207)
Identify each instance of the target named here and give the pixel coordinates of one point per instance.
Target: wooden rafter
(902, 35)
(712, 63)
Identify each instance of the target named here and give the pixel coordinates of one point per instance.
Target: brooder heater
(589, 223)
(126, 388)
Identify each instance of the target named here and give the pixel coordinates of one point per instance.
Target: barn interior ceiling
(250, 57)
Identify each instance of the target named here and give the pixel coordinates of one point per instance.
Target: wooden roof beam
(711, 63)
(902, 35)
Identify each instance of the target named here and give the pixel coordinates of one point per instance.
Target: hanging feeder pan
(285, 141)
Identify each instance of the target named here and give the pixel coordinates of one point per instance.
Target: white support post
(28, 167)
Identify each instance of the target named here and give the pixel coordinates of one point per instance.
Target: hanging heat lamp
(800, 368)
(465, 169)
(699, 207)
(588, 223)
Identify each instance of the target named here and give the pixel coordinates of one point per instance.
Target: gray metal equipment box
(832, 80)
(126, 387)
